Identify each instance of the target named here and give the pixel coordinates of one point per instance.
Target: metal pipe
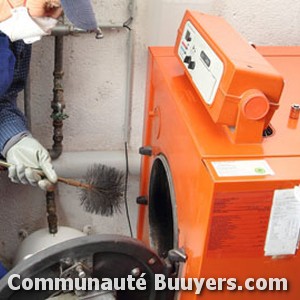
(58, 104)
(128, 93)
(69, 29)
(59, 30)
(51, 212)
(129, 81)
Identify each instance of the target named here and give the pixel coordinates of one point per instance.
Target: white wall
(95, 87)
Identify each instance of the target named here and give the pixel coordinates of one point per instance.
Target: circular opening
(161, 208)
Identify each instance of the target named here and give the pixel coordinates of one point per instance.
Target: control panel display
(201, 62)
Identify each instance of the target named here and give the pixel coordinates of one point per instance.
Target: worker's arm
(12, 121)
(7, 64)
(16, 143)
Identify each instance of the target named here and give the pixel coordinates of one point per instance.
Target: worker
(23, 22)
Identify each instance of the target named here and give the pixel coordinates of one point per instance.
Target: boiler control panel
(237, 85)
(201, 62)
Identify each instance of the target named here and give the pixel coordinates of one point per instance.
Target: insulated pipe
(75, 164)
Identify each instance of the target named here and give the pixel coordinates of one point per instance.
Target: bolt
(81, 273)
(23, 234)
(151, 261)
(136, 272)
(87, 229)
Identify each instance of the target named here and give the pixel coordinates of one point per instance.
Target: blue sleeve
(7, 64)
(12, 120)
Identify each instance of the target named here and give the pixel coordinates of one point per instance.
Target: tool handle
(4, 164)
(67, 181)
(74, 182)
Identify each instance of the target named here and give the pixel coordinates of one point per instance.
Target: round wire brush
(106, 190)
(101, 193)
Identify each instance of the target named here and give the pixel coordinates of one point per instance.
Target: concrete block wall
(95, 90)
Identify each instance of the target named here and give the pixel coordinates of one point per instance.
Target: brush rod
(68, 181)
(74, 183)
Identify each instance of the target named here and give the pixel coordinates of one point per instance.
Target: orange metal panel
(178, 126)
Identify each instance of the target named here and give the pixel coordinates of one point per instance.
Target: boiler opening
(162, 208)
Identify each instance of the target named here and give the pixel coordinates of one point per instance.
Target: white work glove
(25, 156)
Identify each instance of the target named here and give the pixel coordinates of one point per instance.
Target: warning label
(239, 224)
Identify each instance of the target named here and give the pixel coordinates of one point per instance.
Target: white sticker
(284, 224)
(242, 168)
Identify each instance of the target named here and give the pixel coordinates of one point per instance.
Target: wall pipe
(68, 29)
(51, 212)
(58, 104)
(129, 81)
(59, 30)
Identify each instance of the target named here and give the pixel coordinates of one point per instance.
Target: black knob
(143, 200)
(188, 36)
(147, 150)
(187, 59)
(192, 65)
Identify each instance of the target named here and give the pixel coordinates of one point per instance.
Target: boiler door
(95, 256)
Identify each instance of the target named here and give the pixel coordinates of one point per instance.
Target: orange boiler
(221, 159)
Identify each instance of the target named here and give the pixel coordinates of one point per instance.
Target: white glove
(26, 155)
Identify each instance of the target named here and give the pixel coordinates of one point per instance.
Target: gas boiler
(220, 158)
